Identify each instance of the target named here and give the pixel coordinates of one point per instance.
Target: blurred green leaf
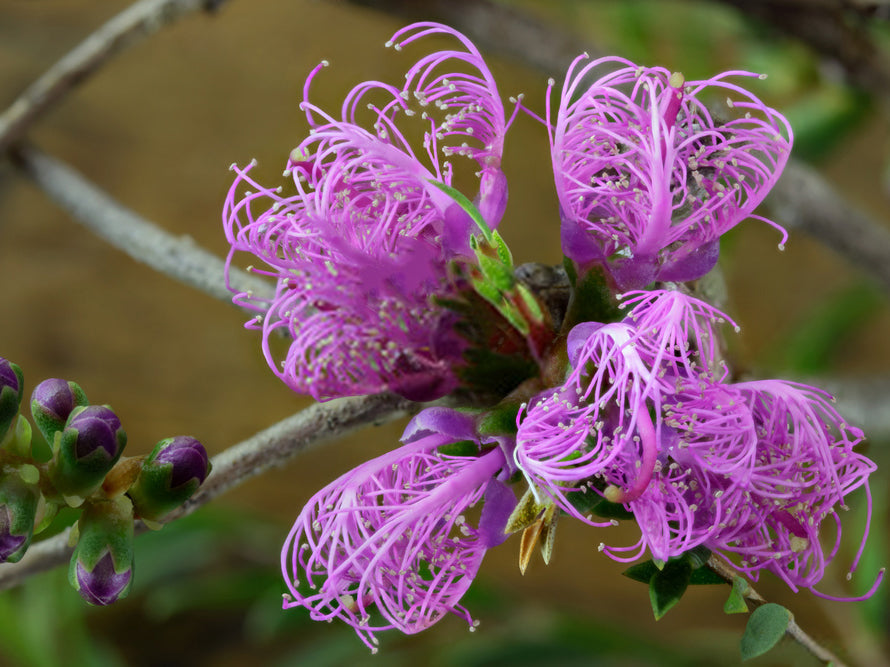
(735, 603)
(765, 628)
(813, 346)
(668, 585)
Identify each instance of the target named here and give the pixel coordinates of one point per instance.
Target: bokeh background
(158, 127)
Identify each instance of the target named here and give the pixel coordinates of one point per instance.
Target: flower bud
(88, 448)
(101, 568)
(18, 507)
(170, 475)
(11, 385)
(52, 402)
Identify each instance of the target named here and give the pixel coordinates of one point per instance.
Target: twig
(137, 21)
(178, 257)
(270, 448)
(496, 27)
(728, 572)
(836, 29)
(863, 402)
(804, 200)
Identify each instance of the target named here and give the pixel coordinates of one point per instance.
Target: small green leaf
(642, 572)
(735, 603)
(502, 249)
(668, 585)
(526, 512)
(698, 557)
(705, 576)
(496, 272)
(610, 510)
(459, 448)
(765, 628)
(467, 206)
(501, 420)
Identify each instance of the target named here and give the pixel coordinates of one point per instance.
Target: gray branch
(804, 200)
(271, 448)
(497, 27)
(176, 256)
(137, 21)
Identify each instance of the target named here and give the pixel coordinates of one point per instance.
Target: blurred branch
(497, 27)
(270, 448)
(137, 21)
(804, 200)
(178, 257)
(863, 402)
(836, 29)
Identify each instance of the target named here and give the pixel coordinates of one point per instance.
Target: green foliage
(765, 628)
(735, 603)
(667, 585)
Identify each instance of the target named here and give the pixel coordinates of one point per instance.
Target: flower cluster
(381, 284)
(86, 472)
(646, 418)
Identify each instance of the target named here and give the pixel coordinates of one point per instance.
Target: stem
(137, 21)
(178, 257)
(728, 572)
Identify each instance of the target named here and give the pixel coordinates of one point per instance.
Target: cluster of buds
(618, 407)
(84, 469)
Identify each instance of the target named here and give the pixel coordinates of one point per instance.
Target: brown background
(158, 127)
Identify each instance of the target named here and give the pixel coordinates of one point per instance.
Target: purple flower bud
(188, 458)
(52, 402)
(9, 543)
(18, 508)
(169, 476)
(102, 585)
(101, 567)
(98, 429)
(9, 376)
(87, 449)
(11, 387)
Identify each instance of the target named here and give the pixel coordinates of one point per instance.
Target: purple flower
(360, 243)
(389, 544)
(647, 179)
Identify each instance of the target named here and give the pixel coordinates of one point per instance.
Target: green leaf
(501, 420)
(497, 273)
(459, 448)
(668, 585)
(765, 628)
(698, 557)
(735, 603)
(642, 572)
(705, 576)
(467, 206)
(610, 510)
(502, 249)
(592, 300)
